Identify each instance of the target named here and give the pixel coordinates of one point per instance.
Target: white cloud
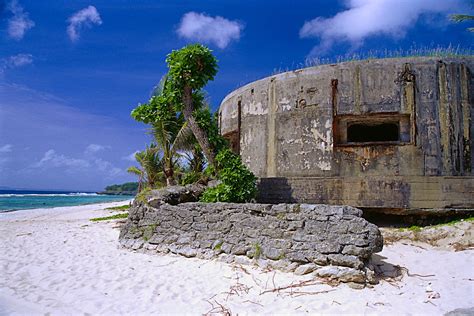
(130, 157)
(107, 168)
(81, 19)
(52, 159)
(365, 18)
(6, 148)
(207, 29)
(15, 61)
(19, 23)
(18, 60)
(94, 148)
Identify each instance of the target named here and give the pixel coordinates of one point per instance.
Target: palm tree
(151, 165)
(172, 136)
(138, 172)
(190, 68)
(171, 133)
(195, 159)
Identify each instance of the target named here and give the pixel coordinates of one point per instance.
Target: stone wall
(291, 236)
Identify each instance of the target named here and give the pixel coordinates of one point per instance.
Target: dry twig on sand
(249, 301)
(238, 267)
(218, 309)
(292, 286)
(300, 293)
(403, 269)
(25, 234)
(237, 289)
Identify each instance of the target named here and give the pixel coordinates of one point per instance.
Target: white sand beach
(57, 261)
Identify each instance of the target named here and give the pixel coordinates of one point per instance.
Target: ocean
(12, 200)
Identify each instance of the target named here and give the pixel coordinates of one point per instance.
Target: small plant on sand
(119, 208)
(107, 218)
(257, 251)
(415, 228)
(218, 246)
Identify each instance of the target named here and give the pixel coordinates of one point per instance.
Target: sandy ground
(57, 261)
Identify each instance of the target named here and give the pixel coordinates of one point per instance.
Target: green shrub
(143, 195)
(238, 182)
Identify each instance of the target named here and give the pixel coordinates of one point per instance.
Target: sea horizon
(17, 200)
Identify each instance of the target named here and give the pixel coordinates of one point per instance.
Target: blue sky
(71, 71)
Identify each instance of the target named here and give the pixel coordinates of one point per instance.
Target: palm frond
(135, 170)
(184, 139)
(461, 17)
(163, 133)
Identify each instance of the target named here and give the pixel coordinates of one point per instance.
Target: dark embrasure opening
(378, 132)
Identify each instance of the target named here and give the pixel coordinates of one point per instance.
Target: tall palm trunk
(169, 174)
(140, 184)
(168, 167)
(199, 133)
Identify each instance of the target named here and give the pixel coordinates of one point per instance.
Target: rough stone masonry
(333, 240)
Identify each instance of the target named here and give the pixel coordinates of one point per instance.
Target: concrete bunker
(390, 135)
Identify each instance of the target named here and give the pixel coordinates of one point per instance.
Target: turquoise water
(21, 200)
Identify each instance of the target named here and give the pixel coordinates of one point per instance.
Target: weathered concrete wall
(295, 125)
(291, 234)
(395, 194)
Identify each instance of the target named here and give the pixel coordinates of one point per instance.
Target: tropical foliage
(464, 17)
(150, 172)
(238, 184)
(190, 69)
(184, 127)
(170, 131)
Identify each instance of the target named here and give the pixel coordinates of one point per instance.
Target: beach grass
(415, 228)
(107, 218)
(119, 208)
(428, 51)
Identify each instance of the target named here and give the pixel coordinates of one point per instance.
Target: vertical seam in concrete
(456, 118)
(239, 124)
(444, 118)
(357, 90)
(466, 117)
(410, 92)
(271, 132)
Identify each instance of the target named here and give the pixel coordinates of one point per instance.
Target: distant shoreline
(23, 200)
(117, 193)
(57, 210)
